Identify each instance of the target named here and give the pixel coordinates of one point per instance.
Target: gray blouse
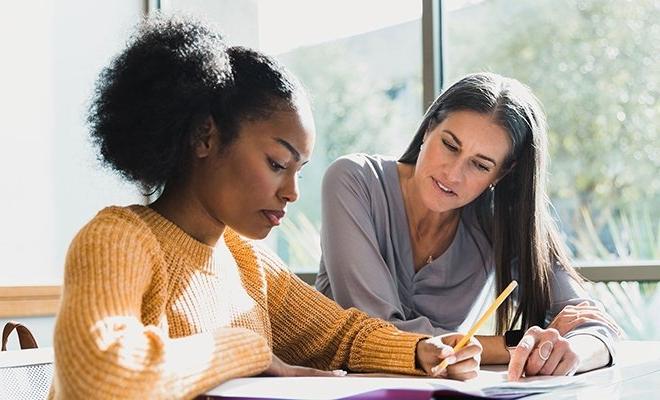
(367, 259)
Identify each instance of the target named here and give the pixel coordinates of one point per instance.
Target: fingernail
(545, 350)
(446, 352)
(526, 342)
(450, 360)
(339, 372)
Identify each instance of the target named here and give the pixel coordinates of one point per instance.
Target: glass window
(595, 65)
(361, 63)
(52, 183)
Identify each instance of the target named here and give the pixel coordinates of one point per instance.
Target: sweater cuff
(599, 334)
(386, 349)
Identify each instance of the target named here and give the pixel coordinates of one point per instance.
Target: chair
(26, 373)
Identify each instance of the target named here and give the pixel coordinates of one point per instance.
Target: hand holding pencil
(466, 349)
(463, 364)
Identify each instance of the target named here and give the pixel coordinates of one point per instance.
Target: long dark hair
(515, 215)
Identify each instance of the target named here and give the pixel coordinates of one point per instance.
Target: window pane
(361, 63)
(52, 183)
(363, 72)
(595, 66)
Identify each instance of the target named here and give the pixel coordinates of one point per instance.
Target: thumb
(446, 351)
(306, 371)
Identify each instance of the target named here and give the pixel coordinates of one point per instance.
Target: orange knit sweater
(148, 312)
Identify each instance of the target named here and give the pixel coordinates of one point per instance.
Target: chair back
(26, 373)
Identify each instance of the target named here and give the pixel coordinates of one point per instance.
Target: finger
(611, 322)
(464, 376)
(519, 357)
(558, 351)
(598, 316)
(568, 365)
(586, 308)
(462, 367)
(306, 371)
(467, 352)
(438, 369)
(538, 357)
(587, 319)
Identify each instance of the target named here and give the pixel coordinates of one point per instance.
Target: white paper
(316, 388)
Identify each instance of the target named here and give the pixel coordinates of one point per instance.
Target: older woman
(424, 241)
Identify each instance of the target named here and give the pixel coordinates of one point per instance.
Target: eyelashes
(450, 146)
(275, 166)
(454, 149)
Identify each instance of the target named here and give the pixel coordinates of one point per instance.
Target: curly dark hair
(174, 73)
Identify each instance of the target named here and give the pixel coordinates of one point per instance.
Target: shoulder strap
(25, 337)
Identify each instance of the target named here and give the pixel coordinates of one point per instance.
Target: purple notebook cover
(390, 394)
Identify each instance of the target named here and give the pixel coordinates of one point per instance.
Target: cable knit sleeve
(102, 348)
(309, 329)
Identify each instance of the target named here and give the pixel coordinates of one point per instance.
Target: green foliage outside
(595, 65)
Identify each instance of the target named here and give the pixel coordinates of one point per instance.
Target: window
(51, 183)
(361, 63)
(595, 66)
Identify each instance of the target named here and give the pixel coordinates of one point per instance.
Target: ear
(504, 173)
(205, 139)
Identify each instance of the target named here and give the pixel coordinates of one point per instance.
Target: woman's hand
(542, 352)
(573, 316)
(463, 365)
(280, 368)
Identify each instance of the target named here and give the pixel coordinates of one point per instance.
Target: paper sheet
(314, 388)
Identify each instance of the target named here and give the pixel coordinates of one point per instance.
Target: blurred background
(371, 67)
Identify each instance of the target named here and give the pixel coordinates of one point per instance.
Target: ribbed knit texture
(147, 312)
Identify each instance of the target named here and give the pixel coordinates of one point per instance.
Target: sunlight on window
(287, 24)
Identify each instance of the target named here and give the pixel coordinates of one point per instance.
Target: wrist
(418, 361)
(494, 350)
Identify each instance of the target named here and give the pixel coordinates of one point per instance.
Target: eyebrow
(295, 153)
(460, 144)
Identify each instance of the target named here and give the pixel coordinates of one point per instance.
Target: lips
(274, 216)
(443, 188)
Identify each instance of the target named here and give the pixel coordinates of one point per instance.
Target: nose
(289, 191)
(455, 172)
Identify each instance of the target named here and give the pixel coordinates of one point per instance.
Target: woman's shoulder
(360, 166)
(124, 217)
(116, 224)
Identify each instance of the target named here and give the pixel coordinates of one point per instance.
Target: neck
(189, 214)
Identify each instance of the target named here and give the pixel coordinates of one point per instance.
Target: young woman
(171, 299)
(425, 241)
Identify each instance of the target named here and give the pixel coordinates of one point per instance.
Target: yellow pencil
(505, 293)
